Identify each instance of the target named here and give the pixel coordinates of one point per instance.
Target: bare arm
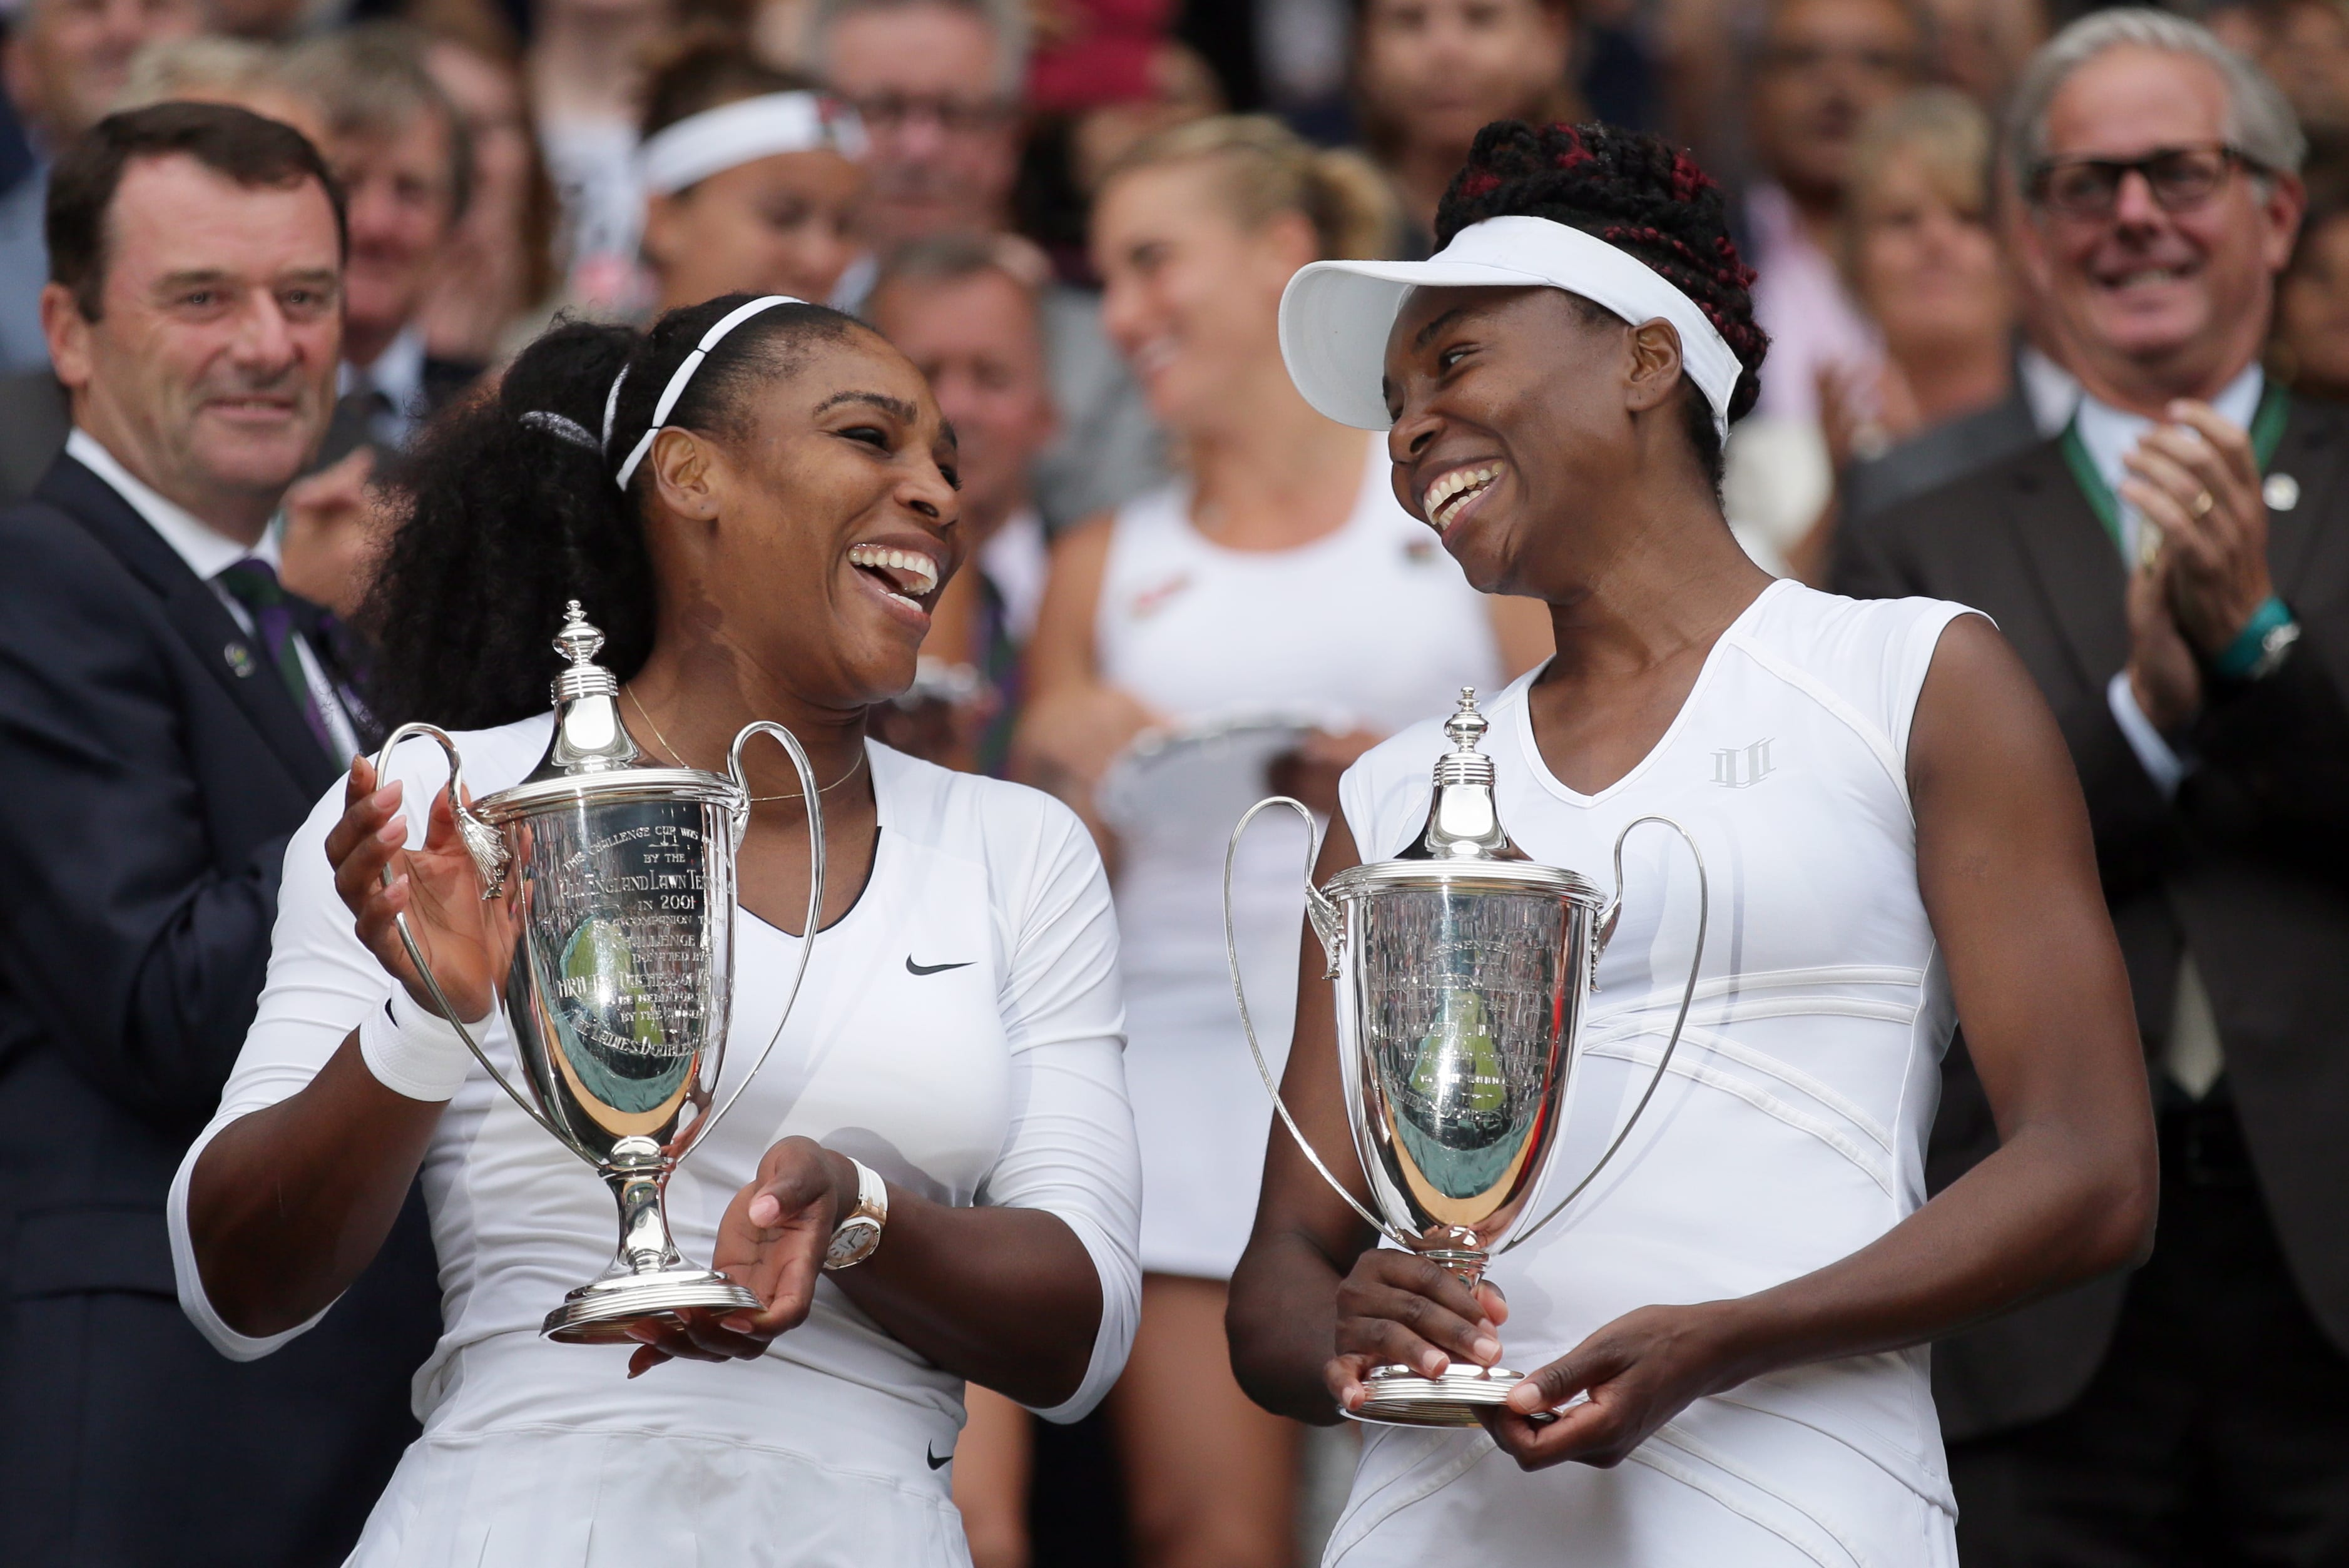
(287, 1205)
(1074, 723)
(2009, 880)
(1002, 1296)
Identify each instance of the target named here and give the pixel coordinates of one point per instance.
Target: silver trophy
(1463, 969)
(620, 981)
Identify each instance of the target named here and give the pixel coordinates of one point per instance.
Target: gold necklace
(853, 767)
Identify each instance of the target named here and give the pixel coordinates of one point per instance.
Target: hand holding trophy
(1462, 969)
(604, 913)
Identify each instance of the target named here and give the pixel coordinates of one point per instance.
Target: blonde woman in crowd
(1280, 574)
(751, 178)
(1924, 262)
(1922, 259)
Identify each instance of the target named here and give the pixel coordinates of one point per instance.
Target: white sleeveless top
(1789, 1132)
(1371, 626)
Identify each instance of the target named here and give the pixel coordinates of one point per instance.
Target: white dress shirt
(2193, 1057)
(209, 552)
(398, 372)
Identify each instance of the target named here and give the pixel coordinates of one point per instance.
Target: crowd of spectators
(504, 163)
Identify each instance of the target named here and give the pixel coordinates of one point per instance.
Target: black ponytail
(505, 512)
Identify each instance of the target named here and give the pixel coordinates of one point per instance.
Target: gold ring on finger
(2203, 503)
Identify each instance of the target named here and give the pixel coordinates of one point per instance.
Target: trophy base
(604, 1312)
(1402, 1397)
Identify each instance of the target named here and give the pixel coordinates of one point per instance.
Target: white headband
(1335, 315)
(678, 381)
(714, 140)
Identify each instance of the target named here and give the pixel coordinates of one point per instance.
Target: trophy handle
(490, 857)
(1604, 933)
(1327, 925)
(790, 745)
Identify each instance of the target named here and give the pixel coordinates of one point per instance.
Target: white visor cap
(1335, 315)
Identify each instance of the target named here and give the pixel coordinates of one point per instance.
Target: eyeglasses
(2180, 178)
(884, 113)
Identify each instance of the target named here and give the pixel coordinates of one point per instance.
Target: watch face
(850, 1242)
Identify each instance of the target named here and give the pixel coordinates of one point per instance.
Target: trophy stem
(648, 1279)
(1400, 1396)
(645, 1245)
(1466, 1264)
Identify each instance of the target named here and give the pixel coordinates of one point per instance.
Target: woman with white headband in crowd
(759, 515)
(751, 175)
(1895, 843)
(1279, 576)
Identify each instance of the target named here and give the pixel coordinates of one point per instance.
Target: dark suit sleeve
(1868, 561)
(143, 959)
(2272, 760)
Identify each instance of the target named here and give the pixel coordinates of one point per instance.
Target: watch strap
(858, 1234)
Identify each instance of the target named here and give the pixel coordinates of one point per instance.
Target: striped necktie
(253, 582)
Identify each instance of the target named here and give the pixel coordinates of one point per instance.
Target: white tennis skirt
(1678, 1501)
(538, 1498)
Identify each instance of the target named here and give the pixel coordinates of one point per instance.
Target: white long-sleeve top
(995, 1077)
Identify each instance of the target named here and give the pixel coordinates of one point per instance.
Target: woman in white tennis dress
(761, 530)
(1723, 1334)
(1281, 580)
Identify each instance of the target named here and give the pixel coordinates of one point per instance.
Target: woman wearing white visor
(1739, 1307)
(750, 177)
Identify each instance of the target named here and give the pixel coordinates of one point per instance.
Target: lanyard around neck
(2267, 435)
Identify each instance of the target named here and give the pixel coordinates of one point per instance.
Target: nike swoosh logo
(913, 968)
(936, 1462)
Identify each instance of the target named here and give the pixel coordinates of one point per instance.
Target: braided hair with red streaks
(1637, 193)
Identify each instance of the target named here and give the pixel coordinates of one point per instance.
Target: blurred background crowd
(1077, 216)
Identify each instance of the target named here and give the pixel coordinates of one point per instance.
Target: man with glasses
(938, 85)
(2174, 568)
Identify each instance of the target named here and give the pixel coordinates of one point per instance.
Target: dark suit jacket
(35, 419)
(2248, 866)
(1932, 457)
(146, 794)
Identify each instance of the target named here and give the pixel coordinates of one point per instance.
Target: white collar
(2109, 434)
(398, 372)
(206, 550)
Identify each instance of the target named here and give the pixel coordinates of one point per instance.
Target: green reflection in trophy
(618, 879)
(1463, 969)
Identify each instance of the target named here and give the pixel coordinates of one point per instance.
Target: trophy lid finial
(578, 641)
(1463, 821)
(588, 735)
(1467, 726)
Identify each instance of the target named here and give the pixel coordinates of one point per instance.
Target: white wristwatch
(858, 1234)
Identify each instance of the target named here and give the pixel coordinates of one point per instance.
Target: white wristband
(413, 1051)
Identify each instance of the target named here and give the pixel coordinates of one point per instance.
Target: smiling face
(1926, 261)
(774, 225)
(397, 184)
(209, 370)
(1515, 414)
(2155, 304)
(1192, 296)
(814, 539)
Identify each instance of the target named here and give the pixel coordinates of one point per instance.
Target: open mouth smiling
(1454, 492)
(906, 577)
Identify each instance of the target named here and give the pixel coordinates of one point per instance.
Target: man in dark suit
(2174, 570)
(168, 716)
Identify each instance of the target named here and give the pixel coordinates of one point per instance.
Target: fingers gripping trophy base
(603, 1313)
(648, 1278)
(1399, 1397)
